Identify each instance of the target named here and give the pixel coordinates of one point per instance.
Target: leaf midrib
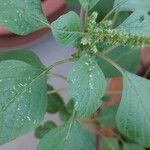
(139, 98)
(22, 91)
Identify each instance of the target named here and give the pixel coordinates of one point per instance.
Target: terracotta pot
(51, 8)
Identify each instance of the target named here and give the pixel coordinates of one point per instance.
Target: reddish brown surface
(52, 9)
(115, 88)
(107, 132)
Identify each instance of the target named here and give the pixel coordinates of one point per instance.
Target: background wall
(49, 52)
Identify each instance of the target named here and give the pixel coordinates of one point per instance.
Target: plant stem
(110, 61)
(110, 49)
(118, 137)
(60, 76)
(83, 17)
(147, 74)
(113, 10)
(57, 64)
(57, 90)
(114, 19)
(97, 136)
(97, 142)
(108, 14)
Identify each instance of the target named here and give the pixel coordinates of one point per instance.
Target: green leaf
(124, 56)
(70, 106)
(87, 85)
(23, 55)
(22, 17)
(42, 130)
(132, 146)
(103, 8)
(66, 29)
(64, 114)
(133, 117)
(139, 20)
(70, 136)
(88, 4)
(55, 102)
(67, 111)
(72, 2)
(106, 98)
(23, 98)
(107, 117)
(132, 5)
(110, 144)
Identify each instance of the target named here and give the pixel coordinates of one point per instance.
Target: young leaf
(23, 55)
(22, 17)
(139, 20)
(124, 56)
(70, 106)
(55, 102)
(42, 130)
(88, 4)
(106, 98)
(110, 144)
(107, 117)
(64, 114)
(132, 146)
(87, 85)
(23, 98)
(70, 136)
(133, 117)
(66, 29)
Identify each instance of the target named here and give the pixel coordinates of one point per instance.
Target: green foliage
(22, 55)
(66, 112)
(42, 130)
(23, 79)
(55, 102)
(139, 20)
(132, 146)
(103, 33)
(133, 113)
(124, 56)
(70, 106)
(72, 2)
(23, 90)
(88, 4)
(107, 117)
(66, 29)
(65, 137)
(87, 73)
(22, 17)
(110, 144)
(106, 98)
(103, 7)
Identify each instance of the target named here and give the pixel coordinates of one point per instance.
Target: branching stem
(60, 76)
(57, 64)
(110, 61)
(110, 49)
(57, 90)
